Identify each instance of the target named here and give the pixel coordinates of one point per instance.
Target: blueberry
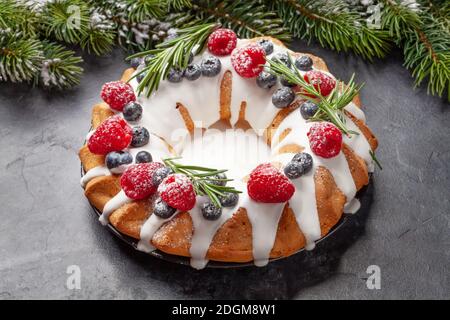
(267, 45)
(210, 211)
(308, 109)
(305, 160)
(140, 76)
(230, 199)
(210, 66)
(162, 209)
(143, 157)
(266, 80)
(192, 72)
(175, 75)
(286, 83)
(141, 136)
(293, 170)
(115, 159)
(219, 176)
(191, 58)
(132, 111)
(160, 174)
(148, 58)
(304, 63)
(135, 62)
(283, 97)
(282, 57)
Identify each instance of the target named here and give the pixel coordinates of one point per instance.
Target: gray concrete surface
(47, 224)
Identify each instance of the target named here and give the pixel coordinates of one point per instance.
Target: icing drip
(148, 229)
(353, 206)
(264, 219)
(93, 173)
(115, 203)
(356, 111)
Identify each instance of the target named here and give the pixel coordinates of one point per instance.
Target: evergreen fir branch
(60, 67)
(333, 25)
(66, 20)
(247, 18)
(398, 19)
(18, 17)
(178, 4)
(427, 53)
(140, 10)
(20, 56)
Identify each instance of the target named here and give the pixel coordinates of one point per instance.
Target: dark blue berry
(175, 75)
(222, 176)
(140, 76)
(135, 62)
(308, 109)
(143, 157)
(283, 97)
(267, 46)
(162, 209)
(192, 72)
(304, 63)
(282, 57)
(141, 136)
(115, 159)
(305, 160)
(293, 170)
(266, 80)
(132, 111)
(148, 58)
(210, 211)
(211, 66)
(286, 83)
(230, 199)
(160, 174)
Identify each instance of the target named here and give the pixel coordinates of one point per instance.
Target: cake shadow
(281, 279)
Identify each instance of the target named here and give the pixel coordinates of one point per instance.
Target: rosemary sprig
(330, 108)
(203, 180)
(374, 158)
(172, 54)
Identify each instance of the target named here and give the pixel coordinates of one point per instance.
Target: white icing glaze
(148, 229)
(93, 173)
(115, 203)
(353, 206)
(163, 120)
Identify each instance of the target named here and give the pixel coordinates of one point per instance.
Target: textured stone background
(47, 224)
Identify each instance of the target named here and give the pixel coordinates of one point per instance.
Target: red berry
(321, 81)
(222, 41)
(136, 181)
(325, 139)
(177, 191)
(267, 184)
(117, 94)
(248, 61)
(114, 134)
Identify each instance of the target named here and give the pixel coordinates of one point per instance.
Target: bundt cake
(289, 177)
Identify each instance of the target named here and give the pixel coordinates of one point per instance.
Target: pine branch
(178, 4)
(20, 56)
(398, 19)
(333, 25)
(139, 10)
(247, 18)
(17, 17)
(59, 68)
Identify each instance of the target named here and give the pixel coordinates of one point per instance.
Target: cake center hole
(237, 150)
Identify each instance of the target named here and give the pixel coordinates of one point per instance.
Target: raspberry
(321, 81)
(267, 184)
(248, 61)
(325, 139)
(221, 42)
(136, 181)
(117, 94)
(177, 191)
(114, 134)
